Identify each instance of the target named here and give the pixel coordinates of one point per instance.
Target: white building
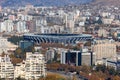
(102, 33)
(107, 20)
(6, 68)
(69, 22)
(40, 25)
(104, 49)
(79, 30)
(6, 46)
(51, 29)
(6, 26)
(24, 17)
(2, 27)
(34, 66)
(114, 62)
(19, 70)
(12, 17)
(105, 14)
(82, 23)
(49, 55)
(21, 27)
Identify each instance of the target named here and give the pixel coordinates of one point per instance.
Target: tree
(3, 54)
(101, 68)
(19, 78)
(16, 60)
(88, 43)
(74, 77)
(86, 69)
(111, 71)
(116, 78)
(18, 52)
(11, 56)
(53, 77)
(2, 79)
(76, 48)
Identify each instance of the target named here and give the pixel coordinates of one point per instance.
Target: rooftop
(82, 35)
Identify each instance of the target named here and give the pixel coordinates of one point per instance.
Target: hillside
(12, 3)
(107, 2)
(42, 2)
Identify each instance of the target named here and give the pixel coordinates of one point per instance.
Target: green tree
(101, 68)
(76, 48)
(111, 71)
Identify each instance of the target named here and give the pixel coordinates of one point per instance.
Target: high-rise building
(31, 25)
(69, 22)
(50, 55)
(6, 68)
(78, 58)
(19, 70)
(104, 49)
(34, 66)
(21, 27)
(6, 26)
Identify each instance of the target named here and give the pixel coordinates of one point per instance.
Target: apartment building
(6, 26)
(102, 33)
(104, 49)
(34, 66)
(6, 68)
(19, 70)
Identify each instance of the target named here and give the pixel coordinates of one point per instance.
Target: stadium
(57, 38)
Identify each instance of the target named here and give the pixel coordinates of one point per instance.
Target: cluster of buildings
(97, 26)
(100, 52)
(32, 68)
(61, 20)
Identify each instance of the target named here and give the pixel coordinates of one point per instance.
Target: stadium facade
(57, 38)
